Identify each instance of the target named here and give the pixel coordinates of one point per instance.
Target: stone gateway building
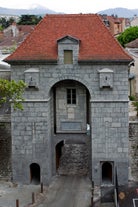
(75, 117)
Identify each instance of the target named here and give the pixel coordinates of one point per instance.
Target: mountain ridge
(120, 12)
(40, 10)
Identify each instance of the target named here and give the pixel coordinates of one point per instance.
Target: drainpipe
(131, 76)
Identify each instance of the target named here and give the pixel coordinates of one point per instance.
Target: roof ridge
(71, 15)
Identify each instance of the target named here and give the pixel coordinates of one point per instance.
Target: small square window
(71, 96)
(68, 57)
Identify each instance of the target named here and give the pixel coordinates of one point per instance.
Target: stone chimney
(14, 29)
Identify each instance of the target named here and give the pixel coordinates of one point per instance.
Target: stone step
(107, 194)
(107, 205)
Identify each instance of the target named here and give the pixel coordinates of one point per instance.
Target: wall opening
(58, 149)
(69, 98)
(35, 173)
(107, 173)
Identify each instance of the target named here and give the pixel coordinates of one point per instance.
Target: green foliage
(1, 28)
(128, 35)
(132, 98)
(4, 23)
(29, 19)
(11, 91)
(135, 104)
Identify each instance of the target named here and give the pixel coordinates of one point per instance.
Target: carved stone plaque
(106, 78)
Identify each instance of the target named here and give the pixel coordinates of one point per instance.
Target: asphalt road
(68, 191)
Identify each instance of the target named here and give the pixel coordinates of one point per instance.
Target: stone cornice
(109, 101)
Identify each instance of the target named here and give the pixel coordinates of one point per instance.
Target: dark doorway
(58, 153)
(35, 173)
(107, 173)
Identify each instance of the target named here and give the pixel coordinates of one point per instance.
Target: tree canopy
(11, 91)
(128, 35)
(29, 19)
(26, 19)
(4, 23)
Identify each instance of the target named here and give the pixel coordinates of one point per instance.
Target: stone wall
(5, 131)
(69, 117)
(133, 147)
(30, 141)
(74, 159)
(110, 138)
(5, 150)
(108, 106)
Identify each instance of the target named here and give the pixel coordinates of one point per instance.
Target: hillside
(120, 12)
(39, 10)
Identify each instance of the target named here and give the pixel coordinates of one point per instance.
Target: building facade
(75, 117)
(132, 48)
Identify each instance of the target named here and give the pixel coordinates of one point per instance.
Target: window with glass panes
(71, 96)
(68, 57)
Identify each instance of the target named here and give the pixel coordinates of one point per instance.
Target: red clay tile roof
(114, 19)
(132, 44)
(96, 42)
(25, 29)
(8, 40)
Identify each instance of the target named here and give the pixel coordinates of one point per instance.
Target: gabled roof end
(69, 37)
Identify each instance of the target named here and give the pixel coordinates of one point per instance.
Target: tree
(29, 19)
(4, 23)
(128, 35)
(1, 28)
(11, 91)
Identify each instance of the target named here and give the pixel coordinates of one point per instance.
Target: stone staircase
(103, 196)
(107, 196)
(111, 204)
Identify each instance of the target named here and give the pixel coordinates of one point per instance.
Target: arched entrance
(71, 107)
(70, 102)
(58, 149)
(35, 173)
(107, 173)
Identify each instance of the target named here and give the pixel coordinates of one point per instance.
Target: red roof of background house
(132, 44)
(114, 19)
(96, 42)
(8, 40)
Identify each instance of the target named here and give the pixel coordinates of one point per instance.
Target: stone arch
(79, 80)
(77, 122)
(35, 173)
(70, 125)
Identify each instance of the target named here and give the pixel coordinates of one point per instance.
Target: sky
(71, 6)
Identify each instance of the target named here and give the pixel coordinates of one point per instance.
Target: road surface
(68, 191)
